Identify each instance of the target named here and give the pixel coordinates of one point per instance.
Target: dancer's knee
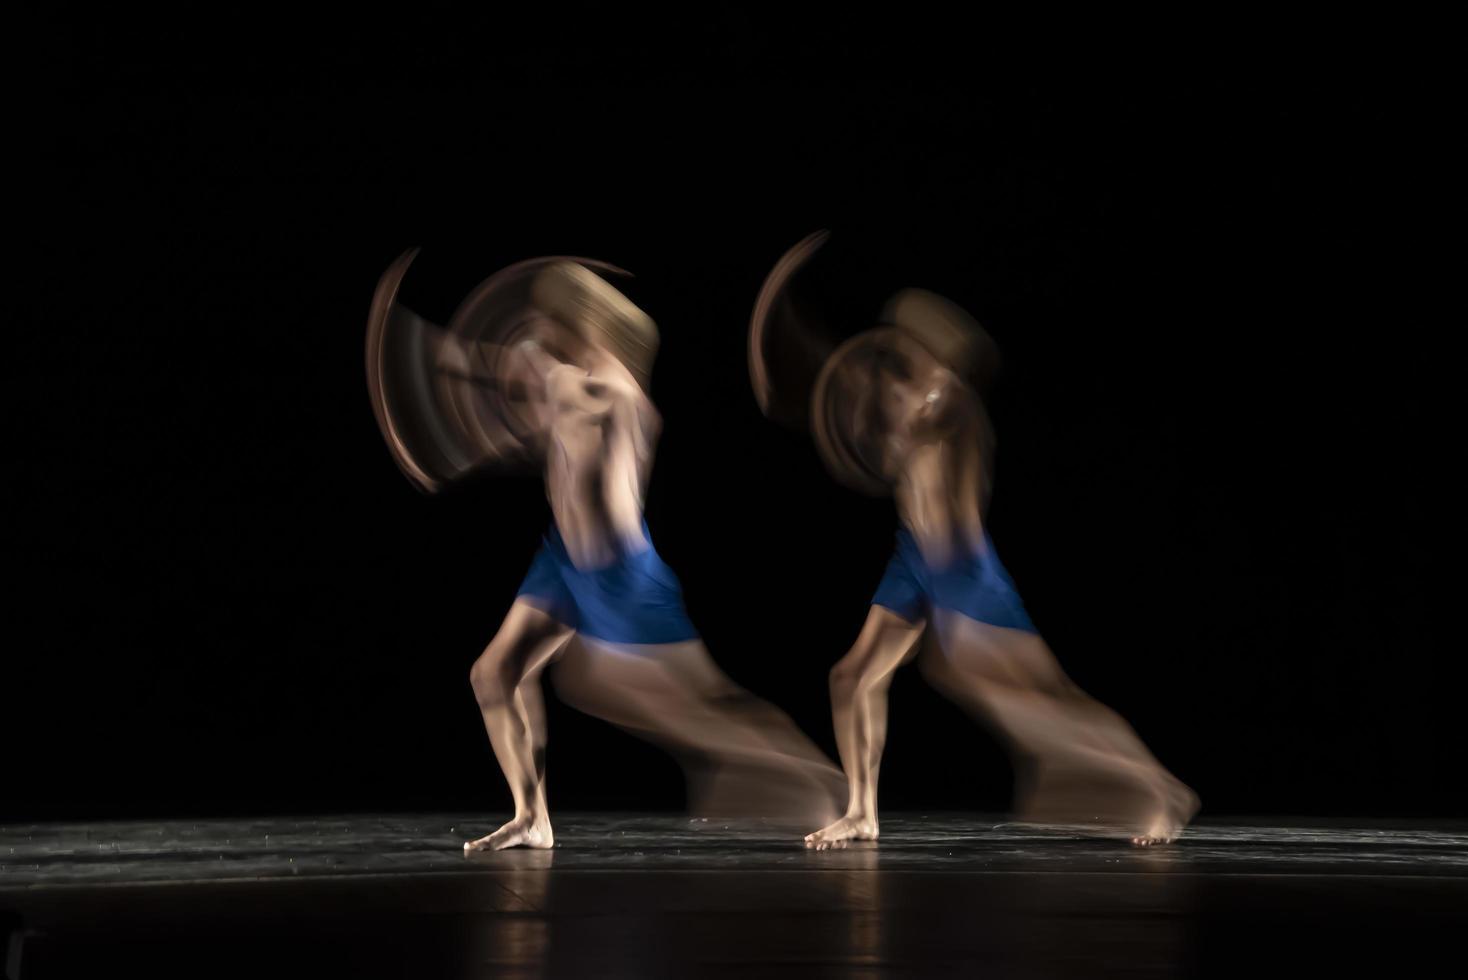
(846, 678)
(491, 678)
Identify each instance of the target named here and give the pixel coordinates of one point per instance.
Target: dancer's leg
(859, 684)
(744, 721)
(505, 680)
(743, 755)
(1073, 746)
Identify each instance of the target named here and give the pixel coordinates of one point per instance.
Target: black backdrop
(1210, 483)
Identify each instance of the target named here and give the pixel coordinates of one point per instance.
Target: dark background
(1212, 419)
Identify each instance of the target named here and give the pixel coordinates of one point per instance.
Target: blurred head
(585, 317)
(948, 334)
(562, 342)
(882, 395)
(916, 399)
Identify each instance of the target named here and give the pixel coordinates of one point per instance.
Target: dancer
(896, 411)
(548, 363)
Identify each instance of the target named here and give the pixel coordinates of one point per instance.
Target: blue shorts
(636, 599)
(976, 585)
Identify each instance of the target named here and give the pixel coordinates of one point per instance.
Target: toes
(821, 843)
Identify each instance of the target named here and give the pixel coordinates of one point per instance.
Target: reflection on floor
(639, 895)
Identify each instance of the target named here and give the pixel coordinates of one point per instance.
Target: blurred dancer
(896, 411)
(571, 367)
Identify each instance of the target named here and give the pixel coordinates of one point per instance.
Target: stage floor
(645, 895)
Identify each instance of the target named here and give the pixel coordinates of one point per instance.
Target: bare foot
(520, 832)
(843, 830)
(1162, 830)
(1178, 807)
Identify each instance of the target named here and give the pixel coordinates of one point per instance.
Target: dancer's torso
(939, 502)
(598, 453)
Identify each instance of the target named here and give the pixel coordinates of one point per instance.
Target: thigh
(967, 650)
(628, 689)
(528, 638)
(886, 642)
(692, 666)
